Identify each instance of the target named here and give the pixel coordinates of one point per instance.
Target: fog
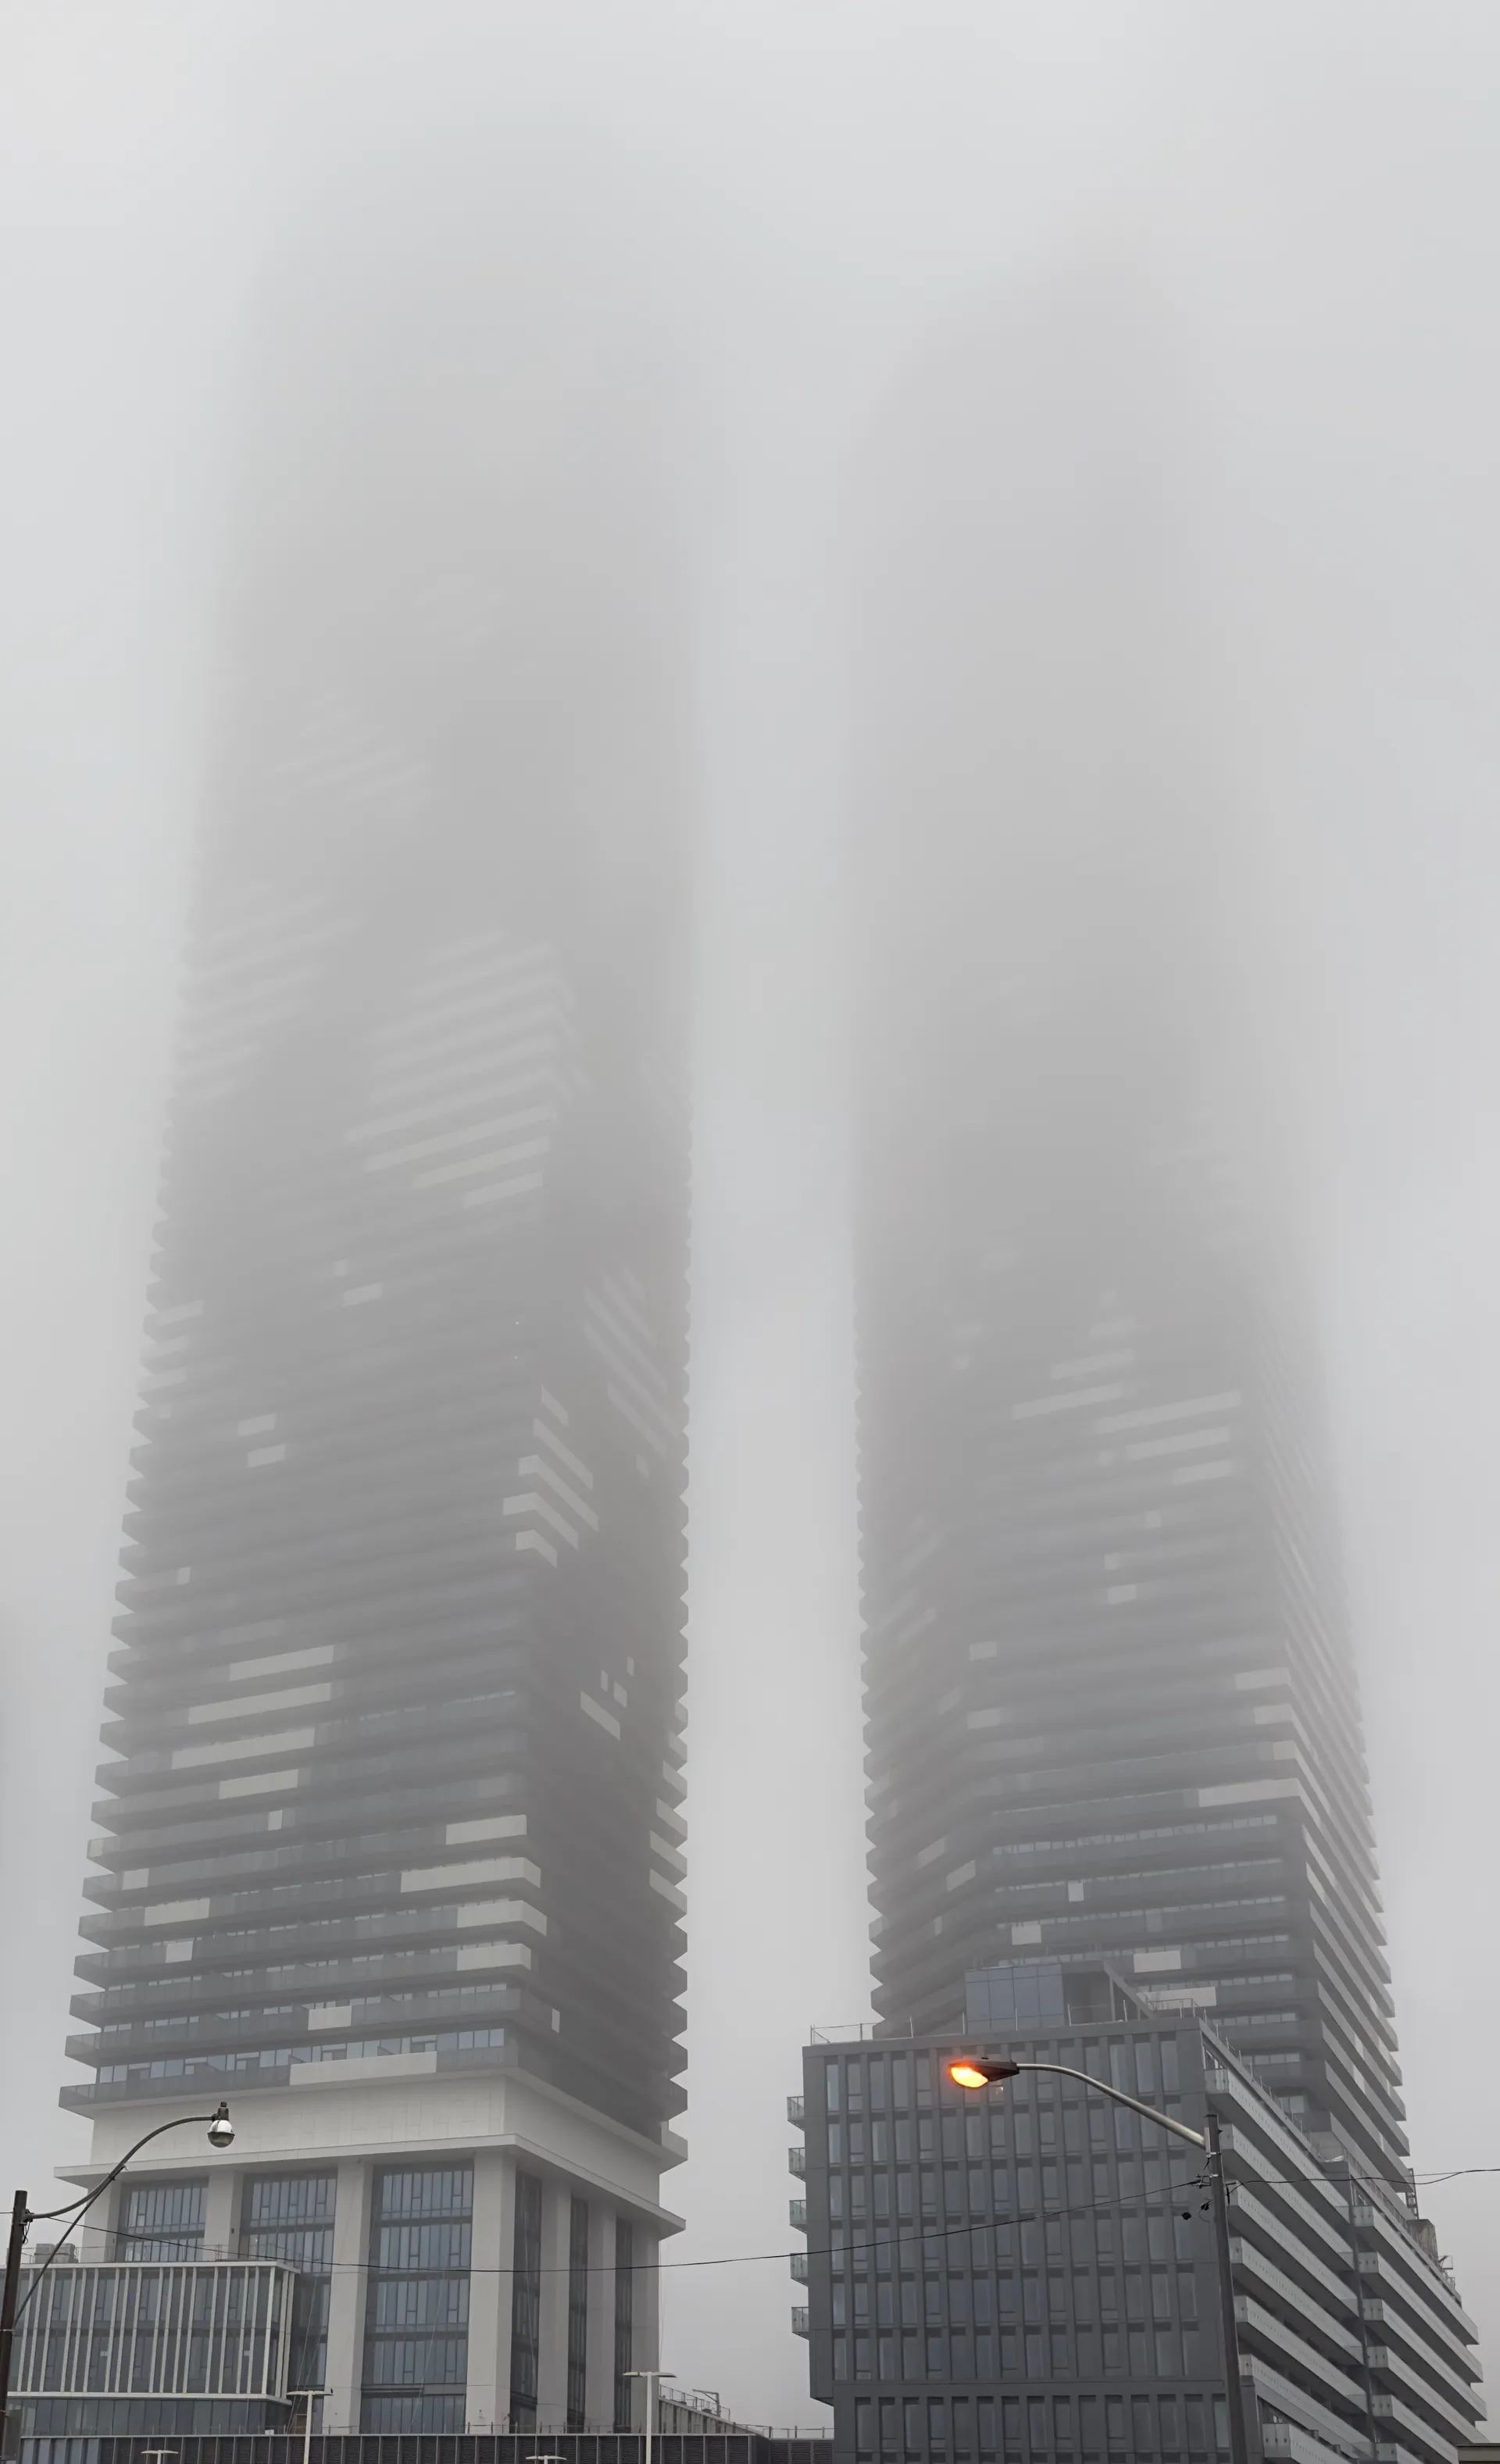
(807, 207)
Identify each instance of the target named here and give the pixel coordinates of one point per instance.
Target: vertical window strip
(526, 2302)
(624, 2320)
(577, 2314)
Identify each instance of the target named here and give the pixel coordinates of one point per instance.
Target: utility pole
(221, 2134)
(20, 2218)
(1234, 2383)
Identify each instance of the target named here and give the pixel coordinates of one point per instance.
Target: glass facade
(989, 2262)
(159, 2331)
(416, 2323)
(525, 2302)
(623, 2322)
(163, 2220)
(290, 2217)
(577, 2313)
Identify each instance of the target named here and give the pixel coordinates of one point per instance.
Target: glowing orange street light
(969, 2071)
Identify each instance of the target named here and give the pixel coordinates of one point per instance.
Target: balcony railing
(797, 2160)
(796, 2111)
(800, 2319)
(799, 2264)
(797, 2211)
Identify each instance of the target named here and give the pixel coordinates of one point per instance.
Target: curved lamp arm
(80, 2207)
(978, 2070)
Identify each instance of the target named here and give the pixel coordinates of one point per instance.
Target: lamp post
(654, 2379)
(310, 2396)
(980, 2071)
(221, 2134)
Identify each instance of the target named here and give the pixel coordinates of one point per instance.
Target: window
(417, 2328)
(289, 2216)
(163, 2221)
(525, 2302)
(577, 2313)
(625, 2319)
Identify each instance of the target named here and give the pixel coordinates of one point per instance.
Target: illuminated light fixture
(971, 2070)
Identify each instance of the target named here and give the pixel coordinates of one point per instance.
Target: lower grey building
(1027, 2275)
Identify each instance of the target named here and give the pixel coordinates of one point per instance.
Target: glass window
(624, 2321)
(526, 2300)
(577, 2313)
(163, 2221)
(416, 2329)
(289, 2216)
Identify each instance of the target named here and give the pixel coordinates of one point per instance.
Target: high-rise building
(1111, 1700)
(390, 1847)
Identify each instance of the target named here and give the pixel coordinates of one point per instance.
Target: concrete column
(99, 2239)
(488, 2397)
(648, 2300)
(557, 2201)
(351, 2256)
(221, 2212)
(600, 2407)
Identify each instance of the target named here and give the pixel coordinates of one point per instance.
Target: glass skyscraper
(390, 1848)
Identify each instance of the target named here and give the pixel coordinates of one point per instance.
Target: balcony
(799, 2266)
(797, 2160)
(800, 2319)
(797, 2211)
(796, 2111)
(1286, 2443)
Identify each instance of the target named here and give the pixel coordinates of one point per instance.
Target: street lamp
(221, 2134)
(654, 2379)
(310, 2395)
(980, 2071)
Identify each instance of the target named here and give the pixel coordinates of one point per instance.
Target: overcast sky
(1312, 194)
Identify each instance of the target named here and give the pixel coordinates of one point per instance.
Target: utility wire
(897, 2239)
